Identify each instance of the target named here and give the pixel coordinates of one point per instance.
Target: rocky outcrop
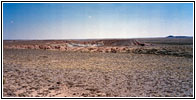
(105, 46)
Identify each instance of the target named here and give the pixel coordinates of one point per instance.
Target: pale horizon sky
(96, 20)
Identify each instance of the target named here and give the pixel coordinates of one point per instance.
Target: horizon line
(101, 38)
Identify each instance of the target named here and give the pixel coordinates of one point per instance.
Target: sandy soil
(43, 73)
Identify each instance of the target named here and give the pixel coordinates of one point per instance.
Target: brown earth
(156, 70)
(108, 46)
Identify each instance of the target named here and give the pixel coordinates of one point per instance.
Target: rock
(101, 94)
(53, 88)
(62, 48)
(36, 46)
(58, 82)
(57, 47)
(44, 47)
(113, 50)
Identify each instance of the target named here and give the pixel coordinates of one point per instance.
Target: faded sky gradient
(96, 20)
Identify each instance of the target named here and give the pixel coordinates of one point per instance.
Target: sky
(96, 20)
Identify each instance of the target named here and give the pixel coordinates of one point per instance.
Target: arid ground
(98, 68)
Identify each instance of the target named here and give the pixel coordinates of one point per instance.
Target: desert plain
(148, 67)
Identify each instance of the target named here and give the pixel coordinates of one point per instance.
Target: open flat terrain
(157, 68)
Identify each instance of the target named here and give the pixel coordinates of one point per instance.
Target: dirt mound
(162, 51)
(110, 42)
(121, 42)
(112, 45)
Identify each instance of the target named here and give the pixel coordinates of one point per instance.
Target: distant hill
(171, 36)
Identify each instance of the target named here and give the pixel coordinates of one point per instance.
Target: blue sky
(96, 20)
